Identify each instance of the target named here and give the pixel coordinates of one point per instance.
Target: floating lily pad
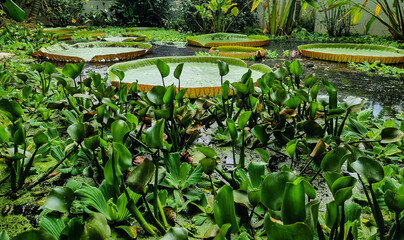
(227, 39)
(353, 53)
(93, 51)
(200, 74)
(238, 52)
(137, 37)
(134, 29)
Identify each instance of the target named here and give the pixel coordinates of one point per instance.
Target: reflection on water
(384, 94)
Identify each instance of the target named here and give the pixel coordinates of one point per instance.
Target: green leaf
(232, 129)
(74, 229)
(334, 159)
(224, 209)
(40, 138)
(76, 132)
(119, 129)
(96, 228)
(342, 182)
(273, 188)
(4, 137)
(255, 171)
(4, 235)
(369, 169)
(141, 176)
(293, 208)
(296, 231)
(296, 68)
(164, 69)
(207, 151)
(243, 119)
(241, 88)
(178, 70)
(225, 89)
(52, 225)
(13, 10)
(60, 199)
(154, 135)
(391, 135)
(176, 233)
(208, 165)
(121, 160)
(223, 68)
(35, 235)
(263, 154)
(313, 130)
(92, 142)
(281, 73)
(156, 95)
(223, 232)
(331, 215)
(342, 195)
(49, 68)
(169, 95)
(73, 70)
(291, 147)
(119, 73)
(91, 196)
(259, 131)
(395, 200)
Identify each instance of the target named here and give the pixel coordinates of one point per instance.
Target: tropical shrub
(61, 13)
(140, 13)
(195, 16)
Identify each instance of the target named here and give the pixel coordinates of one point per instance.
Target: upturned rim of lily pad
(46, 52)
(307, 50)
(194, 92)
(238, 52)
(208, 40)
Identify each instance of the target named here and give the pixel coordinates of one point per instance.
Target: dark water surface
(385, 95)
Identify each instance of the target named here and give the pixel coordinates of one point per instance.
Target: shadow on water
(384, 94)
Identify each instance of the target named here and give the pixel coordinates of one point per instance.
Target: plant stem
(156, 182)
(378, 213)
(213, 186)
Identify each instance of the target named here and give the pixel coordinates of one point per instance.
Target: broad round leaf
(156, 95)
(119, 73)
(154, 135)
(119, 129)
(176, 233)
(40, 138)
(391, 135)
(293, 208)
(73, 70)
(369, 169)
(92, 142)
(35, 235)
(273, 188)
(296, 231)
(223, 68)
(141, 176)
(395, 200)
(224, 209)
(49, 68)
(207, 151)
(260, 133)
(96, 228)
(208, 165)
(76, 132)
(60, 199)
(243, 119)
(178, 70)
(163, 68)
(334, 159)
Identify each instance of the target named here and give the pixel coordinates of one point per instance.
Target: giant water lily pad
(227, 39)
(93, 51)
(238, 52)
(353, 53)
(200, 74)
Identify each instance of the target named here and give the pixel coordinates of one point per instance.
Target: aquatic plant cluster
(136, 148)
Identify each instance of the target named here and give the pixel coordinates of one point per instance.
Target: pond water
(384, 94)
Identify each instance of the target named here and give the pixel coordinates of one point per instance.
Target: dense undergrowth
(134, 149)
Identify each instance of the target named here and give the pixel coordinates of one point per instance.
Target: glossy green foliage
(141, 176)
(60, 199)
(224, 209)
